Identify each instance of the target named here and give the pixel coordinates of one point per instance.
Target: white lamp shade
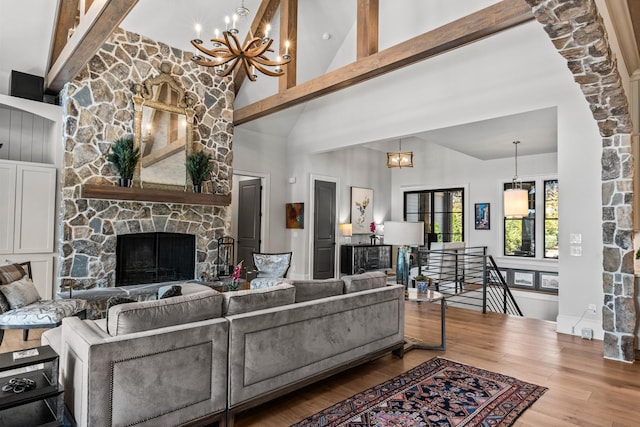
(346, 229)
(404, 233)
(516, 203)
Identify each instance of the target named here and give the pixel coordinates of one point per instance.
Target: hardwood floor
(584, 389)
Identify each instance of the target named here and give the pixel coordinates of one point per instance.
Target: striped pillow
(11, 273)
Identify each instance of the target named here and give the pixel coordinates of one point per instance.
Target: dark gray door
(249, 215)
(324, 237)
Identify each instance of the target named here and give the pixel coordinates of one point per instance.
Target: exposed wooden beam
(94, 29)
(265, 13)
(65, 20)
(288, 32)
(471, 28)
(367, 28)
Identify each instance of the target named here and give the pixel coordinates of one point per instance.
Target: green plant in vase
(199, 168)
(124, 157)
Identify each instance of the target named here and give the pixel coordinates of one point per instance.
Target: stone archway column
(578, 33)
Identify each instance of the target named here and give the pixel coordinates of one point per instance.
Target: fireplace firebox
(154, 258)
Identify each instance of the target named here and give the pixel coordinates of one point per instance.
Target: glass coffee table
(429, 296)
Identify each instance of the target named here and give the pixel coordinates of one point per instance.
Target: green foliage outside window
(551, 219)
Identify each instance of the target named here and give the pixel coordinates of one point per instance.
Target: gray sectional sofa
(243, 349)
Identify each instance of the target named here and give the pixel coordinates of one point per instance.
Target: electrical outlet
(592, 308)
(587, 333)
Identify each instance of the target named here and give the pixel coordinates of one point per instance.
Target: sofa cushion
(154, 314)
(238, 302)
(364, 281)
(20, 293)
(307, 290)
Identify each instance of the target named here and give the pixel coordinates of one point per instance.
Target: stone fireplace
(98, 109)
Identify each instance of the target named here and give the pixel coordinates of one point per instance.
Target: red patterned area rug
(438, 393)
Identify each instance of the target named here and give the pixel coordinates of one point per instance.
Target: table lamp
(347, 231)
(404, 235)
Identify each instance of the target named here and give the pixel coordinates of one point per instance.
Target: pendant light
(516, 199)
(400, 159)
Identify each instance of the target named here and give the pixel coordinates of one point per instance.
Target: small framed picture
(524, 279)
(482, 217)
(295, 215)
(549, 281)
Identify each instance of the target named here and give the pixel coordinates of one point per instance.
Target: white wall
(265, 156)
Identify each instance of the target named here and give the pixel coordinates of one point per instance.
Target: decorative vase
(197, 188)
(124, 182)
(373, 240)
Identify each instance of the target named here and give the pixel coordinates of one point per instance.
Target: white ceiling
(26, 29)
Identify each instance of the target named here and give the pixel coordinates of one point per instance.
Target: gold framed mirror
(163, 131)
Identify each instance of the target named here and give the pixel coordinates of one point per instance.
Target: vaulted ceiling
(324, 64)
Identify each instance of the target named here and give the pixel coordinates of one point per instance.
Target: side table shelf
(41, 406)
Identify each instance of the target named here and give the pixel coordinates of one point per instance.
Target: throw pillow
(11, 273)
(116, 300)
(20, 293)
(174, 291)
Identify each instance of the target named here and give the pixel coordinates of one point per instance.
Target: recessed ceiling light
(326, 36)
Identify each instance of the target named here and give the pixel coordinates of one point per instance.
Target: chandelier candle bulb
(234, 25)
(226, 23)
(286, 50)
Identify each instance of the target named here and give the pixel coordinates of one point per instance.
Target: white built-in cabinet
(27, 218)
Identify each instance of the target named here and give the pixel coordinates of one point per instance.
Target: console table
(354, 258)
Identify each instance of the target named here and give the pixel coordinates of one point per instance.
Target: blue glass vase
(402, 266)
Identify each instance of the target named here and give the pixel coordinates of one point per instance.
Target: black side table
(39, 406)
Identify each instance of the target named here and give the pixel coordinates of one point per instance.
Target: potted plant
(422, 283)
(199, 168)
(125, 158)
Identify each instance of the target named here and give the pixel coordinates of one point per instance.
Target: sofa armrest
(166, 376)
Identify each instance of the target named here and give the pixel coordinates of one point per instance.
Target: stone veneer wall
(98, 109)
(577, 31)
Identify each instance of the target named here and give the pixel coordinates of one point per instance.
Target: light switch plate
(575, 238)
(575, 250)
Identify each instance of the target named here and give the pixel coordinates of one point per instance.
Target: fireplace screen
(155, 258)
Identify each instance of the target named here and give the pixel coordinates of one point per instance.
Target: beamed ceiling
(94, 21)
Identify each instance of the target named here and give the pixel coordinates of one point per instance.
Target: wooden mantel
(96, 191)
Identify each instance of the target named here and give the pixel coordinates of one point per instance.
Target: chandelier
(516, 199)
(227, 53)
(400, 159)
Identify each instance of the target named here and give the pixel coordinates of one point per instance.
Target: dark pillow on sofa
(174, 291)
(116, 300)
